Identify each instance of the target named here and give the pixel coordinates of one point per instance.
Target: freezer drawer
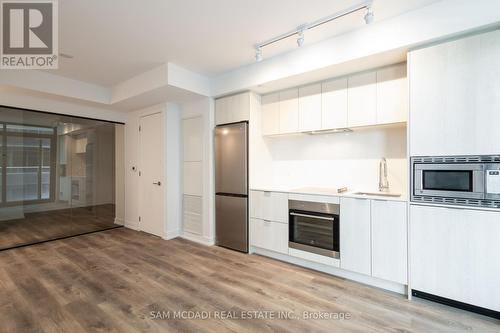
(231, 226)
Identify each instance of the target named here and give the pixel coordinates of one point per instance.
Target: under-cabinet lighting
(329, 131)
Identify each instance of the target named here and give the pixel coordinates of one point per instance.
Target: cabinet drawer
(269, 235)
(272, 206)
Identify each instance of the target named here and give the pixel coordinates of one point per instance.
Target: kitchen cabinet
(372, 98)
(392, 95)
(310, 107)
(334, 104)
(232, 109)
(272, 206)
(362, 99)
(454, 254)
(289, 111)
(389, 240)
(355, 245)
(269, 235)
(271, 114)
(454, 98)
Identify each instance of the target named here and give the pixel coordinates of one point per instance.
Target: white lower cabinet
(269, 235)
(373, 238)
(272, 206)
(355, 252)
(389, 241)
(454, 254)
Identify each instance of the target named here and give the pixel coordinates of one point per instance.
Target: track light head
(300, 38)
(369, 15)
(258, 54)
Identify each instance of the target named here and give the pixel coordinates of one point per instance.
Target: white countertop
(332, 192)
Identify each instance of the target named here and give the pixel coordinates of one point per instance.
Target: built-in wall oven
(314, 227)
(457, 180)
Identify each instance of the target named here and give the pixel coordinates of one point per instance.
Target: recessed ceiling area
(112, 41)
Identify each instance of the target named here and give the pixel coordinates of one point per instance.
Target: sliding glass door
(57, 176)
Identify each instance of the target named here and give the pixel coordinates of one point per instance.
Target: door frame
(151, 112)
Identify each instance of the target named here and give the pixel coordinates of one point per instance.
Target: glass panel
(313, 232)
(444, 180)
(58, 176)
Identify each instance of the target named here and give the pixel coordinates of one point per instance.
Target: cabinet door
(334, 104)
(269, 235)
(355, 253)
(271, 114)
(453, 254)
(222, 111)
(392, 95)
(289, 111)
(389, 240)
(362, 99)
(240, 107)
(272, 206)
(443, 93)
(310, 107)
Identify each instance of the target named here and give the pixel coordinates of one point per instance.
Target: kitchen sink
(378, 194)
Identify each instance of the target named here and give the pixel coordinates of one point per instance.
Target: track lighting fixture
(369, 15)
(299, 32)
(300, 38)
(258, 54)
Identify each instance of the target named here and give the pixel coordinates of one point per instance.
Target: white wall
(331, 160)
(204, 108)
(172, 170)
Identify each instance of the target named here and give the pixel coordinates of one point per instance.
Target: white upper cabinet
(454, 99)
(392, 95)
(289, 111)
(370, 98)
(389, 240)
(271, 114)
(232, 109)
(362, 99)
(310, 107)
(334, 104)
(355, 247)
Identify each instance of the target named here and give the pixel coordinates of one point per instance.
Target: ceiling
(112, 41)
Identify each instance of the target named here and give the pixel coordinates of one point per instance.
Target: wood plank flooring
(112, 281)
(41, 226)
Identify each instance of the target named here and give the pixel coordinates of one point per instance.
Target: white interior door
(152, 166)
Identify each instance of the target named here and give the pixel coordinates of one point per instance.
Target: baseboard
(198, 238)
(119, 221)
(364, 279)
(131, 225)
(456, 304)
(171, 234)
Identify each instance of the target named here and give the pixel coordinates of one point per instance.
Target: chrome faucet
(383, 183)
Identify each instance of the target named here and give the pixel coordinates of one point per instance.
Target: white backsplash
(336, 160)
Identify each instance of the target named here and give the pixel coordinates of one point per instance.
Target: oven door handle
(314, 216)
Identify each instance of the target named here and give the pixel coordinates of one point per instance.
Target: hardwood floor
(41, 226)
(112, 281)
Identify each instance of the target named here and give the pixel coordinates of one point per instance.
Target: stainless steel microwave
(457, 180)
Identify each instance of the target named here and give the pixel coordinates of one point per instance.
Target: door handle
(158, 183)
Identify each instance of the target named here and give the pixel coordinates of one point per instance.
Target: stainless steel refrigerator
(231, 186)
